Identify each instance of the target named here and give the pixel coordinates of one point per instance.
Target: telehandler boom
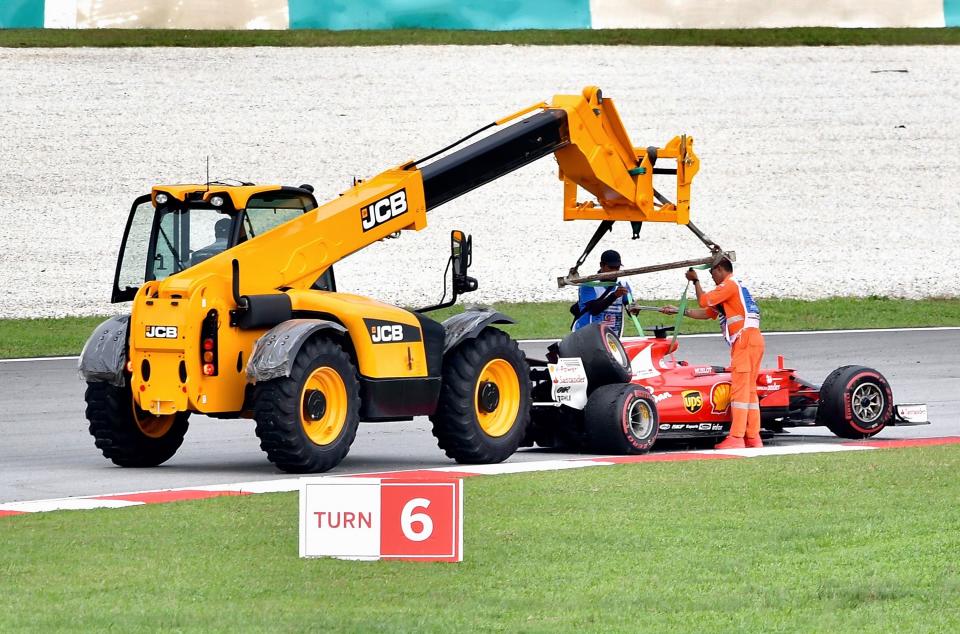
(235, 311)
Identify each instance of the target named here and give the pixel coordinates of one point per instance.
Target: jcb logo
(161, 332)
(383, 331)
(692, 401)
(387, 333)
(383, 210)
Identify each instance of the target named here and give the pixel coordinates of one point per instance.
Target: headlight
(216, 201)
(162, 199)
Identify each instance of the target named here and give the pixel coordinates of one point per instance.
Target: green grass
(861, 541)
(66, 336)
(814, 36)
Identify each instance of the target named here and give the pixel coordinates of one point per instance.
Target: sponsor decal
(720, 398)
(662, 396)
(387, 208)
(913, 412)
(382, 331)
(702, 370)
(692, 401)
(569, 382)
(664, 427)
(162, 332)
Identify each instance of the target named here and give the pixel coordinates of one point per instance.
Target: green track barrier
(21, 14)
(491, 15)
(951, 12)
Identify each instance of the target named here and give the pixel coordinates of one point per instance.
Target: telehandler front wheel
(484, 406)
(128, 435)
(306, 422)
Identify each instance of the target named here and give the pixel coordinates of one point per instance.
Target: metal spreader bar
(572, 280)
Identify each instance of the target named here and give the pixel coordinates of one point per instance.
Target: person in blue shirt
(604, 304)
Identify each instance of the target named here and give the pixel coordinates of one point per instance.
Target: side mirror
(461, 255)
(461, 251)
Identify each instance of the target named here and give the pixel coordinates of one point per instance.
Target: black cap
(610, 258)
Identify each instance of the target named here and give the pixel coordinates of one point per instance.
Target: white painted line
(260, 486)
(38, 359)
(292, 484)
(65, 504)
(697, 336)
(519, 467)
(786, 332)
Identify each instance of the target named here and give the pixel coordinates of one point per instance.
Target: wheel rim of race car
(323, 406)
(640, 418)
(498, 420)
(613, 345)
(152, 425)
(867, 402)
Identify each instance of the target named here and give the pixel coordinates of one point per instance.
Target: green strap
(683, 307)
(636, 322)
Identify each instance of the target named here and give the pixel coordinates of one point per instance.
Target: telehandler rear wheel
(306, 422)
(484, 406)
(128, 435)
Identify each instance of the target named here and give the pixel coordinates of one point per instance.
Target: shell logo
(720, 398)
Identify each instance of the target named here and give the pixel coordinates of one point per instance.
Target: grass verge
(860, 541)
(811, 36)
(66, 336)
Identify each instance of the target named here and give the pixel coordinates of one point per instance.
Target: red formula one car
(597, 393)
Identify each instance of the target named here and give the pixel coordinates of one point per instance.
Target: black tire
(559, 428)
(604, 359)
(465, 398)
(292, 421)
(620, 419)
(127, 435)
(855, 402)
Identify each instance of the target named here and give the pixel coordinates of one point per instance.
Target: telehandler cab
(235, 309)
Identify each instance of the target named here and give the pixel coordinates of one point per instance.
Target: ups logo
(692, 401)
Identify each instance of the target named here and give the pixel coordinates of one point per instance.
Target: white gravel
(827, 178)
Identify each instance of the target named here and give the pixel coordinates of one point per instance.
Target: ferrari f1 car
(596, 393)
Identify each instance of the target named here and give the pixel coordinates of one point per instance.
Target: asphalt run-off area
(48, 458)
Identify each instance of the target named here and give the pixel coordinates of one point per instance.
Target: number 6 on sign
(421, 520)
(408, 517)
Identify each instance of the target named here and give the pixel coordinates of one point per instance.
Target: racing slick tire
(855, 402)
(604, 359)
(127, 435)
(484, 407)
(621, 419)
(307, 421)
(558, 428)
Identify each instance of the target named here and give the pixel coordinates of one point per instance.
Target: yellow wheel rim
(323, 406)
(151, 425)
(614, 348)
(496, 399)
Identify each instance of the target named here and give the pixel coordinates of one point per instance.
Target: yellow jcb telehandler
(235, 311)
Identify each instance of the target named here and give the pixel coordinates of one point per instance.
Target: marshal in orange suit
(739, 316)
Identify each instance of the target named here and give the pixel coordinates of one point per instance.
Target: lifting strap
(604, 227)
(682, 307)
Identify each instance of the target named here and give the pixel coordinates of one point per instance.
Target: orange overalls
(740, 319)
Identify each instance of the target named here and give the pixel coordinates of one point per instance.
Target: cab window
(268, 210)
